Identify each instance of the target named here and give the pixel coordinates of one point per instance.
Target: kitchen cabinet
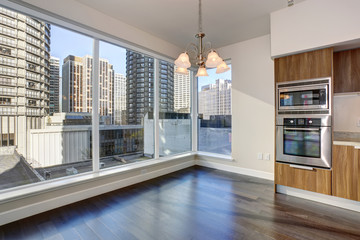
(346, 172)
(314, 64)
(347, 71)
(316, 180)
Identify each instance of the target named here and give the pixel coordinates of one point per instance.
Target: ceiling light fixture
(198, 53)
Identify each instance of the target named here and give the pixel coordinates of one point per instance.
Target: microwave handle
(308, 129)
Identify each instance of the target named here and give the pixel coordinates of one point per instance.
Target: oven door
(306, 146)
(303, 98)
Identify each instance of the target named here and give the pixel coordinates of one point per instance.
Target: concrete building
(182, 92)
(24, 77)
(67, 139)
(77, 85)
(215, 99)
(54, 85)
(119, 99)
(140, 86)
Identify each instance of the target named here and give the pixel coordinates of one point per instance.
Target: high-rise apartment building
(215, 99)
(182, 92)
(24, 77)
(119, 99)
(77, 85)
(140, 86)
(54, 85)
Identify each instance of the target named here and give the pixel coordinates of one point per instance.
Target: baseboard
(43, 206)
(234, 169)
(318, 197)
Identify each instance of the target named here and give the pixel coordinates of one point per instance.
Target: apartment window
(125, 140)
(174, 119)
(214, 107)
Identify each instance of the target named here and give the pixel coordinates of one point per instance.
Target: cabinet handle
(301, 167)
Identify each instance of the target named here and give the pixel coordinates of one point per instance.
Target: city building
(54, 85)
(77, 85)
(215, 99)
(119, 99)
(140, 86)
(182, 92)
(67, 138)
(24, 77)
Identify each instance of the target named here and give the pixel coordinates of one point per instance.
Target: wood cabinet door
(317, 180)
(346, 172)
(347, 71)
(314, 64)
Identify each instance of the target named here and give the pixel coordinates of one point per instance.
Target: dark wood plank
(194, 203)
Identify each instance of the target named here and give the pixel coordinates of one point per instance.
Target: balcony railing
(7, 22)
(7, 12)
(8, 32)
(7, 82)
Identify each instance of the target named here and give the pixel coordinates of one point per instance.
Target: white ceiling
(176, 21)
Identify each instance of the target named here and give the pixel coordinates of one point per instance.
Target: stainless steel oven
(304, 140)
(305, 96)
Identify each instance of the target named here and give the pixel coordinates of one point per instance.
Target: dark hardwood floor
(195, 203)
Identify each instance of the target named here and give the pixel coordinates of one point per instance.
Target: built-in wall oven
(304, 140)
(303, 122)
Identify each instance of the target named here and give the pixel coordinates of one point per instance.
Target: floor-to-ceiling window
(214, 111)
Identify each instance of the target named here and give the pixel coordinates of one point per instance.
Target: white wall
(314, 24)
(252, 103)
(346, 115)
(75, 11)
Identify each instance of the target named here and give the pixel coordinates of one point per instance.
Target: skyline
(77, 44)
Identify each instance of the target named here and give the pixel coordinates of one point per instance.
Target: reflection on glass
(302, 143)
(214, 102)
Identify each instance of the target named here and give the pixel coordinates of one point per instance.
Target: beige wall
(314, 24)
(252, 103)
(346, 113)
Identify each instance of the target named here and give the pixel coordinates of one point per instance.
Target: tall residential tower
(24, 76)
(140, 86)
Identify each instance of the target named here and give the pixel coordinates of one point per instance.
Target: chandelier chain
(200, 17)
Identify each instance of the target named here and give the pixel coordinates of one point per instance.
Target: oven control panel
(303, 122)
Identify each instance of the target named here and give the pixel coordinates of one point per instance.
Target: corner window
(214, 107)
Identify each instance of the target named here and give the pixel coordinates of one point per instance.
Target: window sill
(25, 191)
(216, 156)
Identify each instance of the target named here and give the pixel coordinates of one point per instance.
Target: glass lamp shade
(213, 59)
(222, 67)
(180, 70)
(202, 72)
(183, 61)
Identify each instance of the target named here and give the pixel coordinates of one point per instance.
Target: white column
(194, 111)
(95, 107)
(156, 108)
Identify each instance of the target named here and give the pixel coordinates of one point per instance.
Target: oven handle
(308, 129)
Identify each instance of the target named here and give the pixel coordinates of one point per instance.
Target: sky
(65, 42)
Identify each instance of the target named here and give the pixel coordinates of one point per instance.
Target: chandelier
(197, 55)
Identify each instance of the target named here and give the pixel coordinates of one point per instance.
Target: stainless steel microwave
(306, 96)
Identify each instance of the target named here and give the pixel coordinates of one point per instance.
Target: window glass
(214, 107)
(125, 106)
(45, 124)
(174, 111)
